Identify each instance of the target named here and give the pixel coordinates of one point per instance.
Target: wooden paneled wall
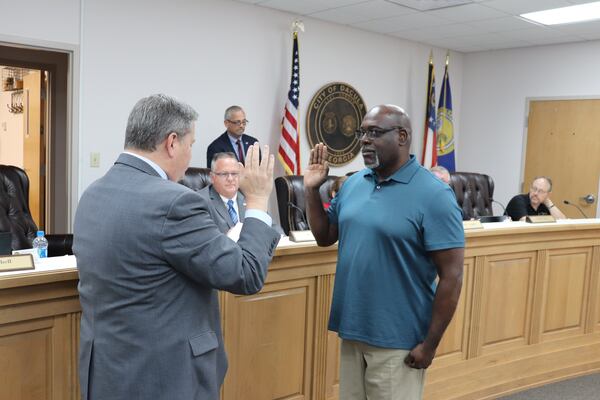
(529, 314)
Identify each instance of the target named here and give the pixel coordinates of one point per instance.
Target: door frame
(62, 60)
(528, 101)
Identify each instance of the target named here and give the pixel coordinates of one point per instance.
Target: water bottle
(40, 244)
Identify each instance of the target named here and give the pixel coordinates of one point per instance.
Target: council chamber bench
(529, 314)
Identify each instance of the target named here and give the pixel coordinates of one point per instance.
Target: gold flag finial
(297, 25)
(447, 57)
(431, 56)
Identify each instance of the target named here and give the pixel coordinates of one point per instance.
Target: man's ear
(171, 142)
(403, 138)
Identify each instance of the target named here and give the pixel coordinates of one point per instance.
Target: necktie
(240, 151)
(232, 212)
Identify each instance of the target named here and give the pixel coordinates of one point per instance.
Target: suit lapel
(241, 200)
(227, 144)
(220, 207)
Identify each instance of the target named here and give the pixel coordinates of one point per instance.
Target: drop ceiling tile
(516, 7)
(537, 33)
(451, 30)
(468, 12)
(501, 24)
(586, 30)
(402, 22)
(366, 11)
(305, 7)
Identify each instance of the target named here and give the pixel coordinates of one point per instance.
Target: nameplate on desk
(16, 262)
(538, 219)
(474, 224)
(301, 236)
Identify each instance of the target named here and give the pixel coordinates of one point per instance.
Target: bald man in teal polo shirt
(398, 229)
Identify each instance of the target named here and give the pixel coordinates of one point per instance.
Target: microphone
(567, 202)
(295, 207)
(500, 204)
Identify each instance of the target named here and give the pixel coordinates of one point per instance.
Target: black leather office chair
(196, 178)
(15, 216)
(474, 193)
(290, 190)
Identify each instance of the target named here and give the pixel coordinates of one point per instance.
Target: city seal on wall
(334, 114)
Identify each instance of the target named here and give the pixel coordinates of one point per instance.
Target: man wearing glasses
(399, 227)
(233, 140)
(537, 202)
(226, 202)
(227, 205)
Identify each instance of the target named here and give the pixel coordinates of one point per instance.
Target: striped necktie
(232, 212)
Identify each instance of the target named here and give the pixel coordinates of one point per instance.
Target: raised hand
(318, 167)
(256, 181)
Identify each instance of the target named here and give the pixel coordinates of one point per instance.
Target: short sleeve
(442, 222)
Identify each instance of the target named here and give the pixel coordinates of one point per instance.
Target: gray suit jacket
(150, 259)
(218, 209)
(219, 213)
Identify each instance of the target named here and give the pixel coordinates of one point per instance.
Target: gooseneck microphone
(500, 204)
(295, 207)
(567, 202)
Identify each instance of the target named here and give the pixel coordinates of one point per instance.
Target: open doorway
(23, 126)
(36, 137)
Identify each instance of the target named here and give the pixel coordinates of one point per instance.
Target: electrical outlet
(95, 160)
(4, 126)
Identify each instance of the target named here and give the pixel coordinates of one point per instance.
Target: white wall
(28, 21)
(496, 87)
(215, 53)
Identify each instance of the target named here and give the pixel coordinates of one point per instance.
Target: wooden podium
(529, 314)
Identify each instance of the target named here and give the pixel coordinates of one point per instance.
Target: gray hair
(153, 118)
(230, 110)
(546, 178)
(219, 156)
(441, 169)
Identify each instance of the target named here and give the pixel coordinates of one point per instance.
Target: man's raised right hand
(318, 167)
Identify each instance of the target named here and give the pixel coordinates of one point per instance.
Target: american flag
(289, 143)
(429, 158)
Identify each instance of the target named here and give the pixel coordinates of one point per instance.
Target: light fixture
(566, 15)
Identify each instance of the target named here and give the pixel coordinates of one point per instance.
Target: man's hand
(318, 167)
(256, 181)
(420, 357)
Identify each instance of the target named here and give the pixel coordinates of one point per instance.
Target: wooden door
(563, 142)
(33, 144)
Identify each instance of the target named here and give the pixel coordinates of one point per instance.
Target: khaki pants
(374, 373)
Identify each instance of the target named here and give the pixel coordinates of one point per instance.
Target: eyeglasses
(238, 122)
(372, 133)
(533, 189)
(233, 175)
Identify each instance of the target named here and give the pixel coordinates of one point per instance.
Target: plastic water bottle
(40, 244)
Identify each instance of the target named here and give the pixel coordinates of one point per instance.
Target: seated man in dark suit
(226, 202)
(537, 202)
(227, 205)
(233, 140)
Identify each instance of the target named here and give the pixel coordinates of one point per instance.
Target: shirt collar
(151, 163)
(234, 139)
(404, 174)
(225, 199)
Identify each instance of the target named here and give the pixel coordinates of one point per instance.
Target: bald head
(392, 115)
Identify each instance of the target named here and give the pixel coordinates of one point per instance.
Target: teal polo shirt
(385, 279)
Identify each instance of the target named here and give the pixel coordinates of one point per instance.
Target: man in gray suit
(151, 259)
(227, 205)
